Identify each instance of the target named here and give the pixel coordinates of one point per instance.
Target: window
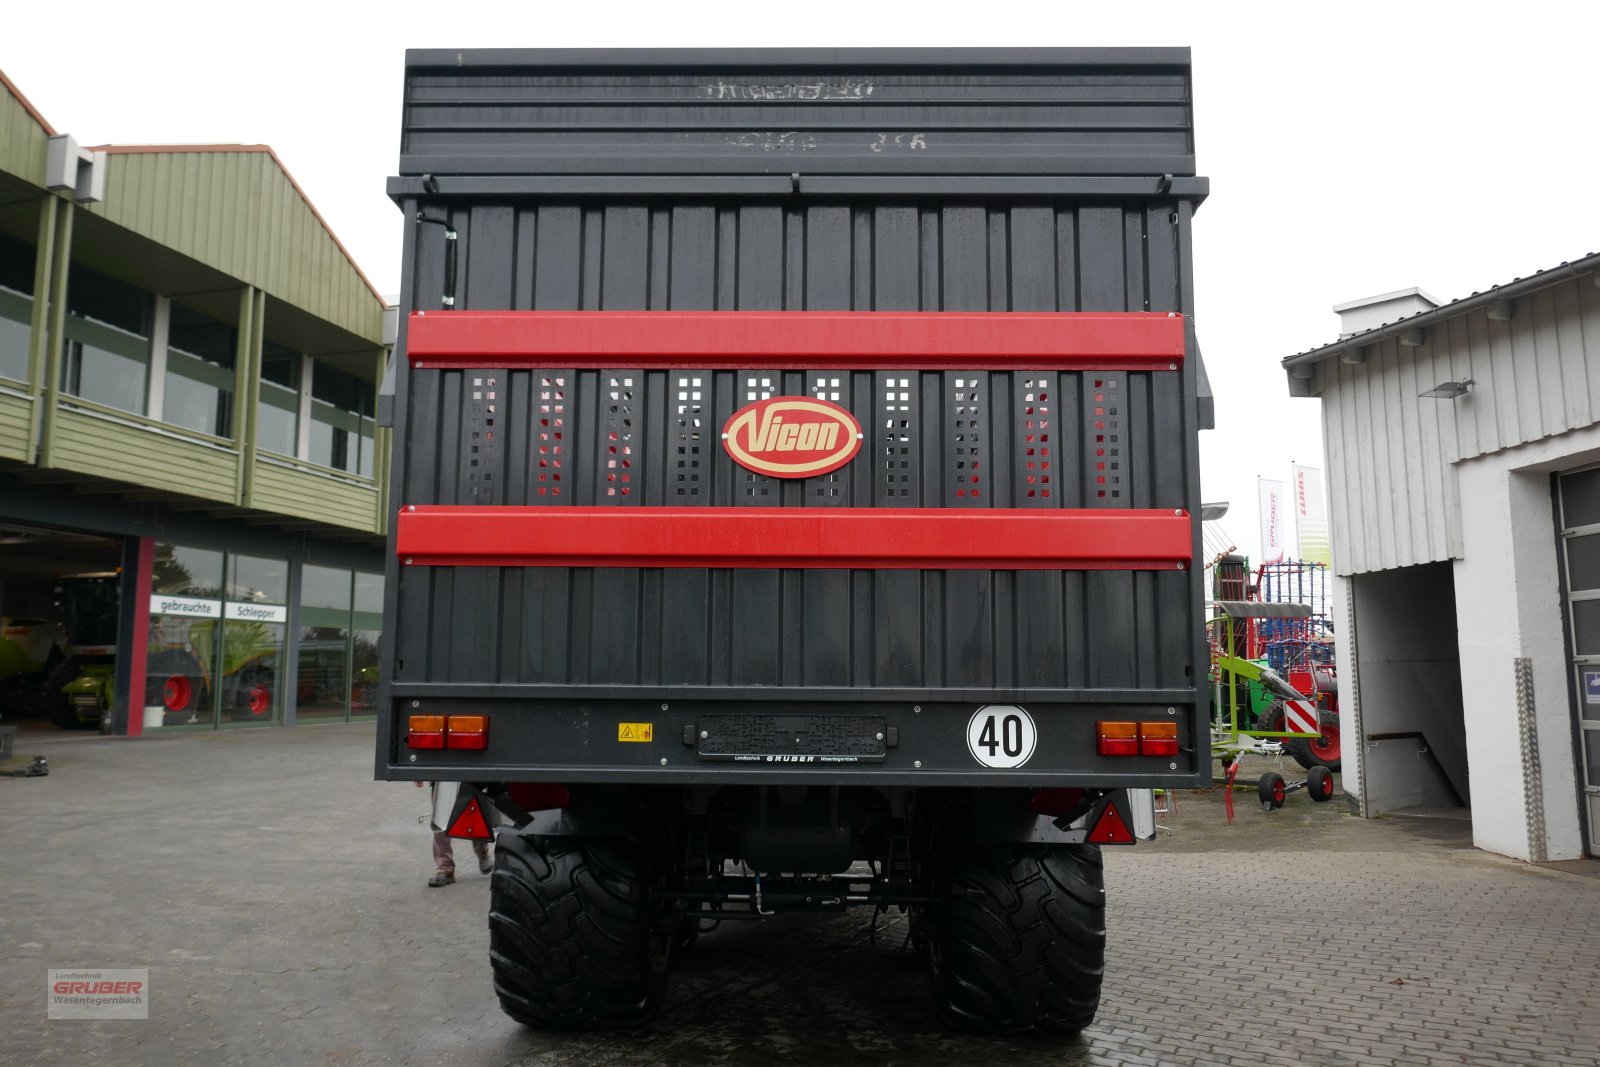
(324, 642)
(16, 307)
(199, 382)
(108, 336)
(278, 414)
(341, 421)
(365, 637)
(255, 623)
(185, 608)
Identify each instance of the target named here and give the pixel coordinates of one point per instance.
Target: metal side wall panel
(630, 438)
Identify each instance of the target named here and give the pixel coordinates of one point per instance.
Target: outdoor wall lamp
(1449, 390)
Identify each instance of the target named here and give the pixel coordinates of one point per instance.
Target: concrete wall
(1409, 677)
(1509, 602)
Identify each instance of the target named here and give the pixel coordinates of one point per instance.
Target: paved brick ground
(277, 896)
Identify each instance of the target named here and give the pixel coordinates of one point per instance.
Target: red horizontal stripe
(937, 340)
(897, 538)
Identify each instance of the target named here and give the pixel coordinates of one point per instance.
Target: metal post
(289, 673)
(56, 345)
(39, 326)
(1532, 771)
(246, 387)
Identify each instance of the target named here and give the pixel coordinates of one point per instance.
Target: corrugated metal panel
(15, 413)
(1039, 629)
(1038, 111)
(82, 439)
(1391, 454)
(238, 212)
(22, 140)
(288, 490)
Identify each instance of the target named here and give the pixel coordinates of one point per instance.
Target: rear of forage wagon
(796, 474)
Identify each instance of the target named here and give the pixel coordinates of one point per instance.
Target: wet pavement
(277, 896)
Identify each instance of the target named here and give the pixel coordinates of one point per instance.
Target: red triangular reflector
(471, 824)
(1110, 829)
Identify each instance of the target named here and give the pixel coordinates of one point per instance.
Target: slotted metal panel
(955, 439)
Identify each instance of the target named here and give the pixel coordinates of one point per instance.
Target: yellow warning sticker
(636, 731)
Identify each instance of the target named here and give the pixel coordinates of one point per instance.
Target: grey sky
(1353, 148)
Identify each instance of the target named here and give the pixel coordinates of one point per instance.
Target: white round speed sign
(1001, 736)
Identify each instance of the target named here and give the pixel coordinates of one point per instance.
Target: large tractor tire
(1323, 752)
(575, 939)
(1021, 945)
(174, 682)
(253, 697)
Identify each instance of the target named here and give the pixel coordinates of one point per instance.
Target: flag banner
(1311, 516)
(1271, 520)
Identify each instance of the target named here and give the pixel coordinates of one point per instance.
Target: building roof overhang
(1517, 287)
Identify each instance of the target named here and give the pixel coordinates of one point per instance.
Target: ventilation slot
(688, 407)
(966, 415)
(550, 439)
(1104, 419)
(619, 459)
(482, 451)
(896, 430)
(1036, 448)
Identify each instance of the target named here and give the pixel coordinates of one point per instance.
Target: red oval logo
(792, 437)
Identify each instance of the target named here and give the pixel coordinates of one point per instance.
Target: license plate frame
(792, 739)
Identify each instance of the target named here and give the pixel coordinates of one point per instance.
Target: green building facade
(189, 363)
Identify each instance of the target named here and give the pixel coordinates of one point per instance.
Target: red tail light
(425, 731)
(468, 732)
(1118, 738)
(1158, 739)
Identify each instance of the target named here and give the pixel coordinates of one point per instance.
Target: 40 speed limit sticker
(1001, 736)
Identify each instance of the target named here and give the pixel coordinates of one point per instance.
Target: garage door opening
(1409, 670)
(59, 597)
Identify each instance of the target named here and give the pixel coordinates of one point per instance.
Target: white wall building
(1463, 457)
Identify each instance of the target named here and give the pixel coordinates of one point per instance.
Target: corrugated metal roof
(232, 207)
(1514, 288)
(23, 132)
(236, 208)
(27, 105)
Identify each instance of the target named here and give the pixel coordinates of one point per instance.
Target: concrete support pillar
(1508, 602)
(1353, 748)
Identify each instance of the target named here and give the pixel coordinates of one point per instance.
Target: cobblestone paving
(277, 897)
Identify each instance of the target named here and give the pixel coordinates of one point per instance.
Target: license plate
(792, 739)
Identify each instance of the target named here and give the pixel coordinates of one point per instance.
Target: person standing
(444, 857)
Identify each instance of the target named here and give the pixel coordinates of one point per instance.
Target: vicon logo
(792, 437)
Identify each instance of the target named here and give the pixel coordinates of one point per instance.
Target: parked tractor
(29, 652)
